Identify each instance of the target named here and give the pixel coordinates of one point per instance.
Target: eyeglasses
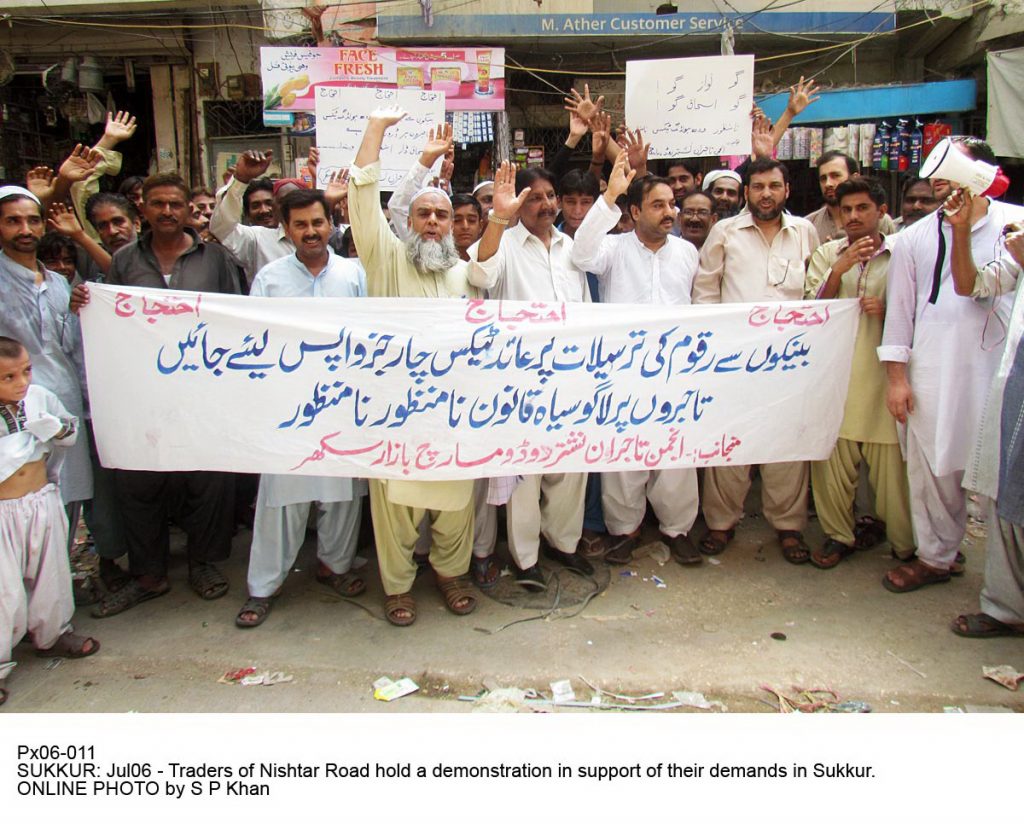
(696, 213)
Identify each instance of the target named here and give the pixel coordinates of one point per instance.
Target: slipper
(346, 584)
(868, 532)
(486, 572)
(393, 604)
(831, 554)
(592, 545)
(260, 607)
(915, 575)
(458, 596)
(980, 625)
(710, 545)
(70, 645)
(131, 595)
(207, 581)
(798, 553)
(84, 591)
(112, 576)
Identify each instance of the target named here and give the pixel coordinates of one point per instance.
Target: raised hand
(312, 162)
(622, 175)
(337, 187)
(582, 105)
(79, 164)
(252, 164)
(120, 127)
(600, 135)
(387, 116)
(860, 251)
(802, 95)
(761, 143)
(439, 143)
(40, 182)
(636, 149)
(505, 204)
(63, 220)
(577, 128)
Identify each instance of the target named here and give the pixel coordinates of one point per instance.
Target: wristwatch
(500, 221)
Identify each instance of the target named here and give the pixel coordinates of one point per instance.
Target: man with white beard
(427, 265)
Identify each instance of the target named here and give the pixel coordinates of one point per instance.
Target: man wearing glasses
(757, 256)
(696, 217)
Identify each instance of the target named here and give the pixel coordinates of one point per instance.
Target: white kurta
(950, 357)
(288, 277)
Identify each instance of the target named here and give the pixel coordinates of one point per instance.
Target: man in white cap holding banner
(940, 353)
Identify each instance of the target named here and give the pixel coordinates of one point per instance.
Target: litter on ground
(384, 689)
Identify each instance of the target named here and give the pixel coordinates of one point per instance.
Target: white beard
(432, 257)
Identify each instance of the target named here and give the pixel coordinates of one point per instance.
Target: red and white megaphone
(947, 162)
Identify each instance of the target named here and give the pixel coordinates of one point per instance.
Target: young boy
(35, 580)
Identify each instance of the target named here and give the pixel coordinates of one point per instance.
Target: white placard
(457, 389)
(341, 117)
(692, 106)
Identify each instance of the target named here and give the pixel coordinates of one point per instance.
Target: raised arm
(63, 220)
(802, 95)
(439, 142)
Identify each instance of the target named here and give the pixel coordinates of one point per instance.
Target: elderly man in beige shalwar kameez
(399, 506)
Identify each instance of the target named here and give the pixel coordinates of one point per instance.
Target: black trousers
(201, 503)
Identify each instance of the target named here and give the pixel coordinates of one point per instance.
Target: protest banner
(471, 79)
(692, 106)
(449, 389)
(342, 115)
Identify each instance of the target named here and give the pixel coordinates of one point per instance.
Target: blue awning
(876, 102)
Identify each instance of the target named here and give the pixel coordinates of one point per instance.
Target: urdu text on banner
(452, 389)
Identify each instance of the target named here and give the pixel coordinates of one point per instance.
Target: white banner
(448, 389)
(341, 117)
(692, 106)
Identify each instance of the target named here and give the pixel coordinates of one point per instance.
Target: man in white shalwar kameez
(283, 501)
(647, 265)
(35, 579)
(940, 352)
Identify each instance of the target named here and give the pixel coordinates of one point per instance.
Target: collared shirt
(203, 267)
(629, 272)
(951, 347)
(524, 269)
(288, 277)
(390, 274)
(254, 246)
(866, 418)
(828, 229)
(738, 265)
(39, 317)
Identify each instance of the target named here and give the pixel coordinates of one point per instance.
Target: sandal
(70, 645)
(207, 581)
(393, 604)
(831, 554)
(980, 625)
(868, 532)
(346, 584)
(592, 545)
(84, 591)
(456, 590)
(113, 577)
(796, 552)
(486, 572)
(260, 607)
(710, 545)
(620, 548)
(131, 595)
(915, 575)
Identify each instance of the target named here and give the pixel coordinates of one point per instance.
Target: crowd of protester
(932, 411)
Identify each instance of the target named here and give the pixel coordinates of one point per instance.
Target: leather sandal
(456, 590)
(915, 575)
(710, 545)
(346, 584)
(831, 554)
(796, 551)
(70, 645)
(260, 607)
(393, 604)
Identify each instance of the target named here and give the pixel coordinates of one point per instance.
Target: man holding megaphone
(940, 353)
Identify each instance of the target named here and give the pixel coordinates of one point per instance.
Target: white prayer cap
(430, 190)
(481, 184)
(7, 191)
(711, 177)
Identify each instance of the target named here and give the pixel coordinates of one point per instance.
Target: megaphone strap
(940, 259)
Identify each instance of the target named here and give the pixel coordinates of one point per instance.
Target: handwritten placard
(448, 389)
(341, 117)
(692, 106)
